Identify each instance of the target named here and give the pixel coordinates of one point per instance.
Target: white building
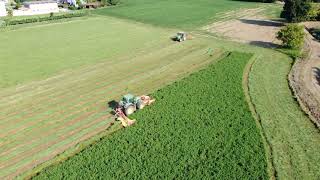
(37, 7)
(3, 11)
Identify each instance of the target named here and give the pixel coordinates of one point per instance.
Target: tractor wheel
(140, 105)
(130, 109)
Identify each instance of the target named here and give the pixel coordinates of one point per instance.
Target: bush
(17, 6)
(10, 12)
(263, 1)
(292, 36)
(104, 2)
(113, 2)
(296, 10)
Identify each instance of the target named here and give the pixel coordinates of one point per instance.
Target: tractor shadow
(111, 105)
(316, 71)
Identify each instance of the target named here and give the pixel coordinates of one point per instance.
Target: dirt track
(247, 26)
(306, 77)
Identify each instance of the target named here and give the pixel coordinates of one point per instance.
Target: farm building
(37, 7)
(3, 11)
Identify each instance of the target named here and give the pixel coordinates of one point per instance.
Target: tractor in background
(128, 105)
(181, 36)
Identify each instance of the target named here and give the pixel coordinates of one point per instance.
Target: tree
(296, 10)
(113, 2)
(292, 36)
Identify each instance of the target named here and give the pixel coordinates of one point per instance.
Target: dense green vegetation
(12, 21)
(174, 13)
(292, 36)
(40, 51)
(200, 126)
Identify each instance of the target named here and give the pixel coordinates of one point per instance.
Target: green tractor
(129, 103)
(181, 36)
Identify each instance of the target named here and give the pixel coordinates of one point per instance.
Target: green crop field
(175, 13)
(190, 132)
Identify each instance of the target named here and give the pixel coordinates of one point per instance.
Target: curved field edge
(266, 143)
(304, 95)
(294, 139)
(197, 134)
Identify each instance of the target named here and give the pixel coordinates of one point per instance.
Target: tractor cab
(128, 98)
(181, 36)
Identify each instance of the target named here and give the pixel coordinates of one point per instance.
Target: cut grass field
(295, 140)
(40, 51)
(184, 135)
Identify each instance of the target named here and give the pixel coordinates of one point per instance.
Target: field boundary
(267, 145)
(301, 93)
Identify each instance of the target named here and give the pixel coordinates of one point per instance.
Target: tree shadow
(264, 44)
(261, 22)
(316, 71)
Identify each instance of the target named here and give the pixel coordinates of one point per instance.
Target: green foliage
(10, 13)
(313, 13)
(199, 128)
(104, 2)
(79, 3)
(17, 5)
(292, 36)
(263, 1)
(296, 10)
(11, 22)
(113, 2)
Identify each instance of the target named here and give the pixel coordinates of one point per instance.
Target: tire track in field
(62, 77)
(86, 85)
(32, 164)
(34, 122)
(71, 91)
(26, 154)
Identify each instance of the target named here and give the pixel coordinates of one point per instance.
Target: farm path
(41, 119)
(247, 26)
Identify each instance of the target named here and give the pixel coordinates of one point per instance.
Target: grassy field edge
(267, 146)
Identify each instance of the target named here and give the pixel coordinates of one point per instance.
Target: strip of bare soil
(304, 79)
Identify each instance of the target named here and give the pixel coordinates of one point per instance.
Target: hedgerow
(10, 22)
(199, 128)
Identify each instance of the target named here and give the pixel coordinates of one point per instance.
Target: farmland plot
(41, 119)
(45, 118)
(190, 132)
(40, 51)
